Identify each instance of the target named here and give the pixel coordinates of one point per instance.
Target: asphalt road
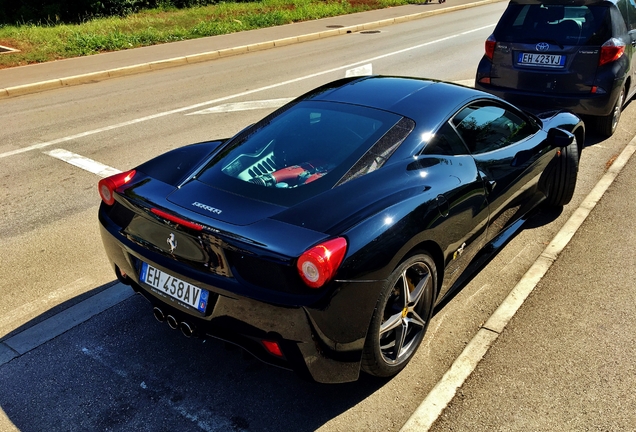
(120, 370)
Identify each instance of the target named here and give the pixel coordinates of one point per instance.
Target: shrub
(74, 11)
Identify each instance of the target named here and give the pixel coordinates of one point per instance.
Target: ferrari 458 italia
(321, 238)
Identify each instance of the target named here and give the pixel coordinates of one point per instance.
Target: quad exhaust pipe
(187, 329)
(158, 314)
(172, 322)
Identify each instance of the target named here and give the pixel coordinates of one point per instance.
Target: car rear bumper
(585, 105)
(322, 341)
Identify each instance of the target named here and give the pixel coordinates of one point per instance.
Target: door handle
(442, 205)
(489, 184)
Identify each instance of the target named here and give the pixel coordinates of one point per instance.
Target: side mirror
(560, 138)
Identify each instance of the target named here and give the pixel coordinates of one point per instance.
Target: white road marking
(521, 253)
(467, 83)
(364, 70)
(42, 145)
(444, 391)
(245, 106)
(83, 162)
(97, 355)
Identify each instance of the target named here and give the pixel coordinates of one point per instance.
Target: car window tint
(488, 128)
(445, 142)
(381, 151)
(565, 25)
(299, 147)
(304, 149)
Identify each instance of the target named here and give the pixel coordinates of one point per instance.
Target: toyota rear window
(558, 24)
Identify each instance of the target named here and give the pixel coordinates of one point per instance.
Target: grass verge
(41, 43)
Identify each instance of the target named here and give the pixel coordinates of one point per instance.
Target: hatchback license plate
(550, 60)
(174, 287)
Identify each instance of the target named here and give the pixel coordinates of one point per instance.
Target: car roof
(416, 98)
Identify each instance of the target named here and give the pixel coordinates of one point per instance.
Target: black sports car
(321, 238)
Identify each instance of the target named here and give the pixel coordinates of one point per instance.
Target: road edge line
(444, 391)
(103, 75)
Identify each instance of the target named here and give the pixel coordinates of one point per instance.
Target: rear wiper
(552, 41)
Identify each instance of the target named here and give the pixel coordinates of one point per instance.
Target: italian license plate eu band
(548, 60)
(174, 287)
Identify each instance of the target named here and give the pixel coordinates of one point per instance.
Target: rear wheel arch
(607, 125)
(435, 251)
(401, 316)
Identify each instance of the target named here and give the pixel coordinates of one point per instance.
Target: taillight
(108, 185)
(319, 264)
(490, 46)
(273, 348)
(177, 219)
(611, 51)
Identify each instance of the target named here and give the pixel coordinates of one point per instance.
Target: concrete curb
(444, 391)
(216, 54)
(62, 322)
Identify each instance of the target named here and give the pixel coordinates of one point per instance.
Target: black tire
(401, 317)
(563, 176)
(606, 125)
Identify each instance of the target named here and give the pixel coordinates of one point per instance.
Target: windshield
(302, 151)
(557, 24)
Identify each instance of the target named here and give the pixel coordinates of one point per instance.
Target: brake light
(108, 185)
(319, 264)
(611, 51)
(176, 219)
(272, 347)
(490, 44)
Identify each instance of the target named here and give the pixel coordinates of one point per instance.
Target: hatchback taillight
(318, 265)
(490, 44)
(611, 51)
(108, 185)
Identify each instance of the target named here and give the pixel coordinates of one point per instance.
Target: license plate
(174, 287)
(549, 60)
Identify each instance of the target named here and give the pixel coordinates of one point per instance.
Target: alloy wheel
(403, 326)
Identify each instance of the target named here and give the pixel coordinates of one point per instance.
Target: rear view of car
(575, 56)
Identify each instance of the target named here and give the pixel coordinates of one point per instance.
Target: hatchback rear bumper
(584, 105)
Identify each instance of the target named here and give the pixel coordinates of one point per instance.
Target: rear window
(307, 149)
(558, 24)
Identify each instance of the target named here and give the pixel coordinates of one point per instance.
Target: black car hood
(221, 205)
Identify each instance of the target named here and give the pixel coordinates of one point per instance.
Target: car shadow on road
(542, 215)
(592, 138)
(122, 370)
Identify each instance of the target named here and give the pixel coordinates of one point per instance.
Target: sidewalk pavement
(81, 70)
